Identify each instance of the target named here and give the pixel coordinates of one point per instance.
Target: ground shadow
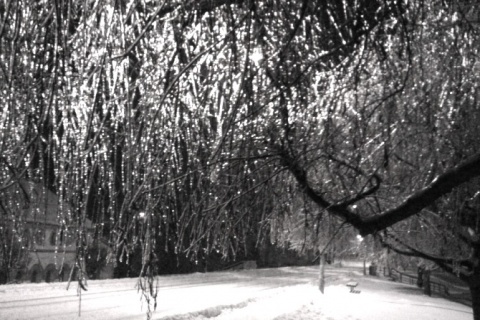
(462, 298)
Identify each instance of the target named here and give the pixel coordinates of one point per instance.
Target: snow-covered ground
(280, 294)
(379, 299)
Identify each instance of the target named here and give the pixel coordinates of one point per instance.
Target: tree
(206, 117)
(364, 197)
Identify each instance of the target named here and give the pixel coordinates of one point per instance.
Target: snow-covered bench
(352, 285)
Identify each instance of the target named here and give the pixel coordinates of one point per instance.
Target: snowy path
(280, 294)
(119, 299)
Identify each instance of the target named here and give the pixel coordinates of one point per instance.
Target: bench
(352, 285)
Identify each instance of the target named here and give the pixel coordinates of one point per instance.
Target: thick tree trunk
(475, 292)
(474, 285)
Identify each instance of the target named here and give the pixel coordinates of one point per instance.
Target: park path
(289, 293)
(120, 299)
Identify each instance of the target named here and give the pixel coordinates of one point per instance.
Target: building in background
(39, 237)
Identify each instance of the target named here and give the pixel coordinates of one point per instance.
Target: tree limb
(442, 185)
(446, 264)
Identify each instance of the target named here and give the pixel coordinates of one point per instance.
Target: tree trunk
(321, 284)
(475, 292)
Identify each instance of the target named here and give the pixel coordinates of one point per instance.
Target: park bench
(352, 285)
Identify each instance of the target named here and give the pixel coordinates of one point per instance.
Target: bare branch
(446, 264)
(442, 185)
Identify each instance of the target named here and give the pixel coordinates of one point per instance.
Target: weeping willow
(172, 125)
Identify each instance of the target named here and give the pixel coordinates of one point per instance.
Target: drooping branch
(372, 179)
(447, 264)
(441, 186)
(301, 176)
